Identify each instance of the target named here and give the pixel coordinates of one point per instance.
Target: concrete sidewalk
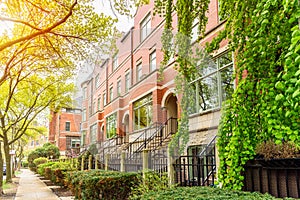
(32, 188)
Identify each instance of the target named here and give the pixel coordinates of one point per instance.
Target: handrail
(143, 134)
(156, 134)
(208, 145)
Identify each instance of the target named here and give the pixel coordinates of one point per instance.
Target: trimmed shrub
(202, 193)
(99, 184)
(42, 168)
(25, 163)
(48, 150)
(55, 171)
(39, 161)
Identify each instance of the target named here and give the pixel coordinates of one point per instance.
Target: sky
(124, 23)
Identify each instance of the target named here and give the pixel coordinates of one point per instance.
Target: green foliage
(99, 184)
(188, 12)
(51, 151)
(55, 171)
(265, 104)
(152, 181)
(39, 161)
(25, 163)
(203, 193)
(42, 167)
(48, 150)
(270, 150)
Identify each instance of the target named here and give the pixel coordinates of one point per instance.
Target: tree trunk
(1, 171)
(8, 161)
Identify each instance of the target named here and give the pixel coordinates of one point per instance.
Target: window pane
(127, 82)
(152, 61)
(138, 72)
(68, 125)
(145, 27)
(143, 113)
(227, 86)
(93, 133)
(111, 123)
(210, 92)
(225, 59)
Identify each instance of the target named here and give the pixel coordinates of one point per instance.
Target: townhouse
(64, 131)
(126, 101)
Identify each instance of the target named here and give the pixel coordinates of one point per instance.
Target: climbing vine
(188, 11)
(265, 37)
(265, 105)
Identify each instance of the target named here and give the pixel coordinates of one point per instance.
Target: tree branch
(40, 32)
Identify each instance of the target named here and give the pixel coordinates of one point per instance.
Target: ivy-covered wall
(265, 38)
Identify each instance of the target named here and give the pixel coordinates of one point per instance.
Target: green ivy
(264, 34)
(187, 12)
(265, 105)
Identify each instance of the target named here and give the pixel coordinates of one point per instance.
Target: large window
(143, 112)
(145, 27)
(72, 142)
(111, 124)
(213, 85)
(152, 59)
(139, 72)
(127, 81)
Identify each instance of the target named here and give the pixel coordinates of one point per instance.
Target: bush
(39, 161)
(42, 168)
(48, 150)
(55, 171)
(203, 193)
(269, 150)
(25, 163)
(152, 182)
(99, 184)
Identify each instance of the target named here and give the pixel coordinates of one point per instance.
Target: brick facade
(64, 130)
(132, 54)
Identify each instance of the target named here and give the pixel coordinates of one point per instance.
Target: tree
(38, 56)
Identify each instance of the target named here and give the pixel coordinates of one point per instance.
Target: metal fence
(279, 178)
(197, 170)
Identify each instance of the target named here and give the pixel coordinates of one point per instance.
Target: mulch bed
(59, 191)
(62, 192)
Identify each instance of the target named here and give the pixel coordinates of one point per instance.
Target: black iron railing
(197, 170)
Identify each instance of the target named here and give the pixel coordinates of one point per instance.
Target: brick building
(125, 99)
(64, 130)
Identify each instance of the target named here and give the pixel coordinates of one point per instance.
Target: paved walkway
(32, 188)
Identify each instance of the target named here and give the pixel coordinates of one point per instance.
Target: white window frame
(127, 81)
(152, 61)
(145, 27)
(139, 71)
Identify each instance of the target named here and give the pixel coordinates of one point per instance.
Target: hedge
(100, 184)
(202, 193)
(55, 171)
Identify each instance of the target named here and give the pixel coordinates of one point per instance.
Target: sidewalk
(32, 188)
